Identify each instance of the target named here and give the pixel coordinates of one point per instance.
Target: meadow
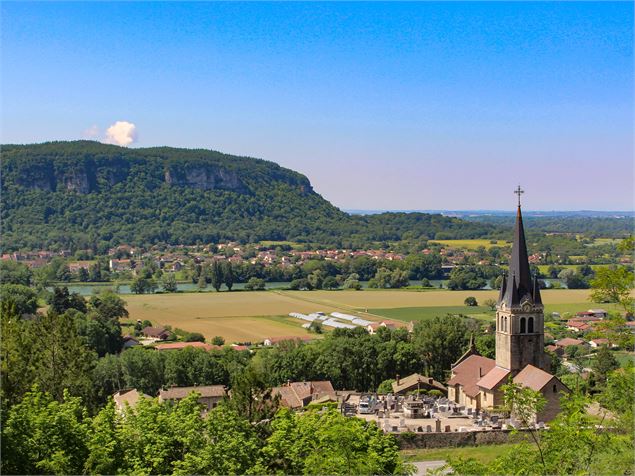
(254, 316)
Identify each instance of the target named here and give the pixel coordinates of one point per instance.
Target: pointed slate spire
(519, 280)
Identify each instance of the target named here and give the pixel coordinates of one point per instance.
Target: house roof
(493, 378)
(183, 345)
(177, 393)
(294, 394)
(533, 377)
(154, 331)
(130, 396)
(468, 372)
(415, 380)
(568, 341)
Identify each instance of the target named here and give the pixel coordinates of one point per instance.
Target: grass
(471, 244)
(484, 454)
(425, 313)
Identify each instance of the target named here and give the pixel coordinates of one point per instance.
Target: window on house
(522, 325)
(555, 388)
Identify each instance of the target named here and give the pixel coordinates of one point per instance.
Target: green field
(425, 313)
(484, 454)
(471, 244)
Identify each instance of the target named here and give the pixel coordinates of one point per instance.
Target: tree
(218, 340)
(227, 444)
(326, 442)
(61, 301)
(169, 283)
(195, 337)
(486, 345)
(228, 275)
(441, 341)
(141, 285)
(466, 277)
(385, 387)
(330, 283)
(316, 279)
(491, 304)
(23, 297)
(352, 282)
(573, 279)
(82, 275)
(604, 363)
(255, 284)
(44, 436)
(470, 301)
(216, 275)
(613, 285)
(12, 272)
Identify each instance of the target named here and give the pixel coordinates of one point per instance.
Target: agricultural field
(471, 244)
(253, 316)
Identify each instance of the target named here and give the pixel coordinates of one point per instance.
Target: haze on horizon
(383, 106)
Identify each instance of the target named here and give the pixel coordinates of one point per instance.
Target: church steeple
(519, 283)
(519, 314)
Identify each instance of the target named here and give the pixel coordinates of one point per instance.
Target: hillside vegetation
(85, 194)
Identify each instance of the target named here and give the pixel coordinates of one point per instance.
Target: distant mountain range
(85, 194)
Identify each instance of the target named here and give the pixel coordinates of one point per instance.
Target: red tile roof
(533, 377)
(568, 341)
(468, 372)
(493, 378)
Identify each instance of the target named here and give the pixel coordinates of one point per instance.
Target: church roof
(468, 372)
(493, 378)
(518, 283)
(533, 377)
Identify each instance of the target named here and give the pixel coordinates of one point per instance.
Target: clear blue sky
(382, 106)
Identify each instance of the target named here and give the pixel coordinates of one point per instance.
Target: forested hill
(85, 194)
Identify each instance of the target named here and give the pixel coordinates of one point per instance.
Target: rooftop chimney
(397, 379)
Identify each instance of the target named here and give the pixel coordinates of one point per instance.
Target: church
(476, 381)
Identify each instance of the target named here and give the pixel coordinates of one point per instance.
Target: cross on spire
(519, 191)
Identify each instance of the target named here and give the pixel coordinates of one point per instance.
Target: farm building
(210, 395)
(159, 333)
(296, 395)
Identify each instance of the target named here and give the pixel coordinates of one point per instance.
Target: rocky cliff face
(205, 178)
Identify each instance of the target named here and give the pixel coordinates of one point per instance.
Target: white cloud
(91, 133)
(121, 133)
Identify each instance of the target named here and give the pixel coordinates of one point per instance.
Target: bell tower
(520, 322)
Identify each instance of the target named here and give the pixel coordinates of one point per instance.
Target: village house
(129, 397)
(296, 395)
(158, 333)
(209, 395)
(596, 343)
(416, 382)
(476, 381)
(117, 265)
(129, 341)
(75, 266)
(567, 341)
(373, 327)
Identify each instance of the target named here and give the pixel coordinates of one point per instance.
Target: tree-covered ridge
(86, 194)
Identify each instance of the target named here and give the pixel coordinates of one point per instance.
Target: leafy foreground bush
(42, 435)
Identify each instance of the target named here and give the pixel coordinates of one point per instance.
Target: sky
(381, 105)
